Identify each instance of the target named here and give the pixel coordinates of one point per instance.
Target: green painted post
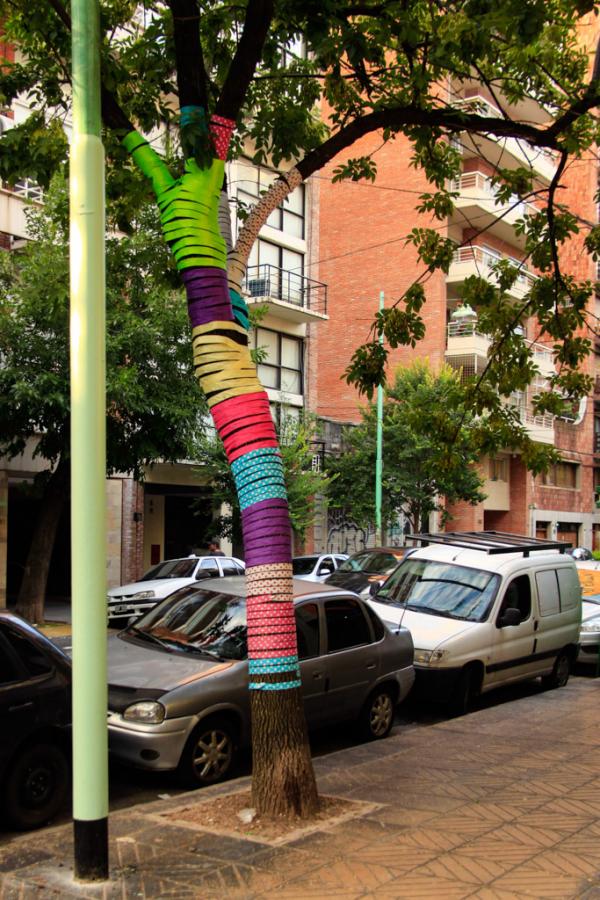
(88, 452)
(379, 455)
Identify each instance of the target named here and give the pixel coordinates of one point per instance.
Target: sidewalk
(501, 804)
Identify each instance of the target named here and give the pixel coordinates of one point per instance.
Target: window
(211, 566)
(8, 669)
(326, 566)
(563, 475)
(517, 596)
(307, 630)
(289, 215)
(229, 568)
(283, 364)
(569, 587)
(277, 272)
(346, 625)
(34, 659)
(378, 626)
(548, 596)
(498, 468)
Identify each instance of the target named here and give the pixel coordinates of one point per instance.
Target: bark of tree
(32, 593)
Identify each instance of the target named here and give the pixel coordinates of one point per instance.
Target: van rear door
(559, 604)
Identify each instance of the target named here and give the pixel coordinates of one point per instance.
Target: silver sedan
(178, 678)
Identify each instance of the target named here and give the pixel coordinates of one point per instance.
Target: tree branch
(247, 57)
(191, 80)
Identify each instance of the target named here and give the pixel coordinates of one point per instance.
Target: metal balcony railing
(269, 282)
(484, 258)
(482, 185)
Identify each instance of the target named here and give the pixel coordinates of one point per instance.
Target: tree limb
(247, 57)
(191, 80)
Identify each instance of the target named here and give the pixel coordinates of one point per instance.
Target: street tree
(221, 77)
(431, 446)
(306, 484)
(154, 408)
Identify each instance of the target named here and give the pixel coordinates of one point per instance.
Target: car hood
(139, 666)
(589, 610)
(351, 581)
(162, 587)
(428, 631)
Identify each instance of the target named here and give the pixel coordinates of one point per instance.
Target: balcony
(287, 294)
(477, 204)
(503, 151)
(464, 340)
(477, 260)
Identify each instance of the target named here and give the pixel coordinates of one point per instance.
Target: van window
(547, 588)
(517, 596)
(570, 588)
(440, 589)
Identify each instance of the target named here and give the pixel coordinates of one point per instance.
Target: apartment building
(362, 251)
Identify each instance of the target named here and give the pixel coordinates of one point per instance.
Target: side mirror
(510, 616)
(325, 570)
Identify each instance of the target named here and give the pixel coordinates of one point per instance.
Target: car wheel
(377, 717)
(463, 694)
(36, 786)
(560, 672)
(209, 754)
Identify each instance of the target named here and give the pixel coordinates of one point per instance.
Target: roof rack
(490, 542)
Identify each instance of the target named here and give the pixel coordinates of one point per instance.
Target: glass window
(229, 568)
(569, 587)
(346, 624)
(548, 596)
(498, 468)
(307, 630)
(378, 626)
(517, 596)
(8, 670)
(211, 566)
(440, 589)
(368, 561)
(198, 620)
(33, 658)
(326, 566)
(303, 565)
(281, 369)
(562, 474)
(171, 568)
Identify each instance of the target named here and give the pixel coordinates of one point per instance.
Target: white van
(484, 609)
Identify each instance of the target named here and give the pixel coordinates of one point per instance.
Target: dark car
(367, 568)
(178, 678)
(35, 717)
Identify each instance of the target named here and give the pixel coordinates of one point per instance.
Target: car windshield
(369, 561)
(440, 589)
(197, 621)
(303, 565)
(171, 568)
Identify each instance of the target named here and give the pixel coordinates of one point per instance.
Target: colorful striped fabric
(189, 213)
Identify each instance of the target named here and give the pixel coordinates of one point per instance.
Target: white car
(589, 636)
(165, 578)
(317, 566)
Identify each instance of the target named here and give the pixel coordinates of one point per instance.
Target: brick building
(362, 227)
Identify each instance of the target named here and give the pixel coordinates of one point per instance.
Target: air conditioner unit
(258, 287)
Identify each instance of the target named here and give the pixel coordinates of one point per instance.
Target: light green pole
(88, 452)
(379, 453)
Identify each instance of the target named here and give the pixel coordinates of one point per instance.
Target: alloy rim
(381, 714)
(212, 755)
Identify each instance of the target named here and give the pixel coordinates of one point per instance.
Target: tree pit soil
(221, 815)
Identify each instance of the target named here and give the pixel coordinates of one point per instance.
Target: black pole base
(91, 849)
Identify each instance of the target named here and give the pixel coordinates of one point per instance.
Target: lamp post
(379, 451)
(88, 451)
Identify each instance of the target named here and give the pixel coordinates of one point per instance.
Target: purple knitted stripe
(267, 533)
(208, 295)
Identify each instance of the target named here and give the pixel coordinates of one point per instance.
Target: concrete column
(3, 536)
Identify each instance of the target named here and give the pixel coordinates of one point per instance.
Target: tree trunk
(283, 782)
(32, 593)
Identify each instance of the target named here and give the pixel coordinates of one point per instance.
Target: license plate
(118, 609)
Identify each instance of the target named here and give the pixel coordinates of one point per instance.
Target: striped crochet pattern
(192, 217)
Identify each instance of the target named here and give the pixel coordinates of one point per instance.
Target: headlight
(594, 625)
(426, 657)
(142, 595)
(149, 711)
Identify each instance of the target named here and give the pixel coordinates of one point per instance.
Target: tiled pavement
(496, 805)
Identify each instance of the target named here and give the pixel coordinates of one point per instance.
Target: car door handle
(317, 674)
(371, 665)
(19, 706)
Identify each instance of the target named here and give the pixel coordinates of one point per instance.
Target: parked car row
(461, 615)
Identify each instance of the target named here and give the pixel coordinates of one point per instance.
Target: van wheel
(209, 754)
(377, 716)
(463, 694)
(560, 673)
(36, 785)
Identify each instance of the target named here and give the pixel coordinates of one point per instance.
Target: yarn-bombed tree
(371, 67)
